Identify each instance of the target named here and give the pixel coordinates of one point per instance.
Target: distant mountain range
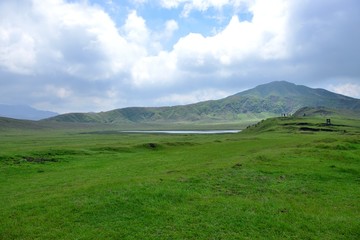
(24, 112)
(272, 99)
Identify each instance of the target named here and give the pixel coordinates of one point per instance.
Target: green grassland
(283, 178)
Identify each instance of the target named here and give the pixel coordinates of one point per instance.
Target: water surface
(186, 131)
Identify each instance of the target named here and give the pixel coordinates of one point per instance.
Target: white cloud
(347, 89)
(262, 39)
(156, 71)
(92, 62)
(171, 3)
(135, 29)
(81, 40)
(271, 21)
(216, 56)
(74, 38)
(58, 91)
(191, 97)
(170, 27)
(17, 53)
(202, 5)
(56, 43)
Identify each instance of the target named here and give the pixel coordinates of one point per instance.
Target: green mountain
(272, 99)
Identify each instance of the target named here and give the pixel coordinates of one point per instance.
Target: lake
(186, 132)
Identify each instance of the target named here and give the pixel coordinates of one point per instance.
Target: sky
(98, 55)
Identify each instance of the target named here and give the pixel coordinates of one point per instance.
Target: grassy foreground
(283, 179)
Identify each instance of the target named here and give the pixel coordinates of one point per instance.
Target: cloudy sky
(97, 55)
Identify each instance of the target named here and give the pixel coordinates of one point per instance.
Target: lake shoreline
(182, 131)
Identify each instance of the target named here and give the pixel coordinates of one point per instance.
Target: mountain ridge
(24, 112)
(266, 100)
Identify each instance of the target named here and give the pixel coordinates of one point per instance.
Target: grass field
(282, 179)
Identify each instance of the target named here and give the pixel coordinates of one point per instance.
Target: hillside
(326, 112)
(18, 125)
(310, 120)
(272, 99)
(10, 123)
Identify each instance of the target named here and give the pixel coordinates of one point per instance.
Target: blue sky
(97, 55)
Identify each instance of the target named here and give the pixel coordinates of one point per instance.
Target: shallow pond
(187, 132)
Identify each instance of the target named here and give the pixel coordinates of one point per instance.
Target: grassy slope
(274, 181)
(8, 125)
(323, 112)
(264, 101)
